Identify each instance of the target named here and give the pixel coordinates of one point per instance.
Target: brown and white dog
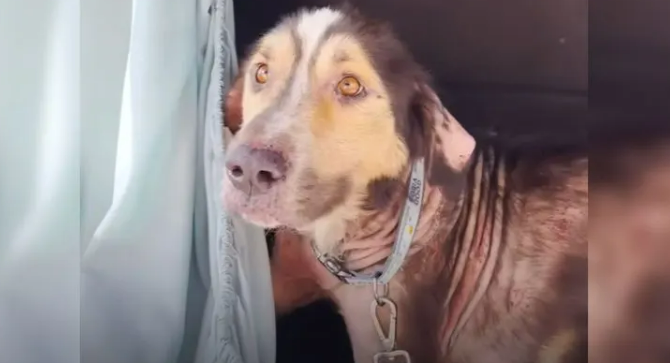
(329, 112)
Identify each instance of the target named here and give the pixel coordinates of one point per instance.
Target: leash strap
(408, 223)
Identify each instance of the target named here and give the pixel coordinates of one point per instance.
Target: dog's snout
(255, 170)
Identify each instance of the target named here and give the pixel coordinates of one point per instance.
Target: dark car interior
(531, 75)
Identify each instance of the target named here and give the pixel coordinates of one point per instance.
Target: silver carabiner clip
(387, 339)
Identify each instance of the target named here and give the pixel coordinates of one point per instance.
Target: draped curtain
(114, 246)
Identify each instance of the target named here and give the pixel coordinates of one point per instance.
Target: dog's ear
(446, 145)
(232, 106)
(430, 131)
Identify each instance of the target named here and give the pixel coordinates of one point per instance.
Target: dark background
(530, 74)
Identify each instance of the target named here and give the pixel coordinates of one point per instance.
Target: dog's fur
(497, 269)
(629, 265)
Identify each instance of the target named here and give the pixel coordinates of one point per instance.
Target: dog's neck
(456, 245)
(369, 240)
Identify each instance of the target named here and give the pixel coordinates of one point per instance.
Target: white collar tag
(408, 223)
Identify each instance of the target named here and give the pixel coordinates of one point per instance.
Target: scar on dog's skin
(497, 268)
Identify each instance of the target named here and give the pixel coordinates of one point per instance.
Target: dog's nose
(255, 170)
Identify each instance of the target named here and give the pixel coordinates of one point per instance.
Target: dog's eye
(349, 86)
(262, 73)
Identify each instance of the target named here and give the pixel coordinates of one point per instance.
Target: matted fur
(495, 271)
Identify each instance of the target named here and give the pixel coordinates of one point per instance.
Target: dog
(338, 135)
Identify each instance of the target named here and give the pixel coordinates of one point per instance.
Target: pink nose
(254, 171)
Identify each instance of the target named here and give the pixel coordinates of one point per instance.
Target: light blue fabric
(166, 275)
(39, 181)
(238, 324)
(135, 268)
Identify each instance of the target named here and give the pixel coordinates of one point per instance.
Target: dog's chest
(503, 324)
(354, 303)
(356, 306)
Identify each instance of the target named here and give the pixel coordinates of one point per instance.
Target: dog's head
(328, 111)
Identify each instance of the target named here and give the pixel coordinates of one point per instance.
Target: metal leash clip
(388, 339)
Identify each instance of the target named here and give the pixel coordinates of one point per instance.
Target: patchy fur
(496, 270)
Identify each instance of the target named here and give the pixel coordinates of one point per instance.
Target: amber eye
(349, 86)
(262, 73)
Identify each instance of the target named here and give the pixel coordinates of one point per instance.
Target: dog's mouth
(293, 201)
(265, 209)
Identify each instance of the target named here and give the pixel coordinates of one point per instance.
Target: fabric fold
(239, 320)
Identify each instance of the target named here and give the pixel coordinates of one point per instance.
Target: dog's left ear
(449, 147)
(431, 132)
